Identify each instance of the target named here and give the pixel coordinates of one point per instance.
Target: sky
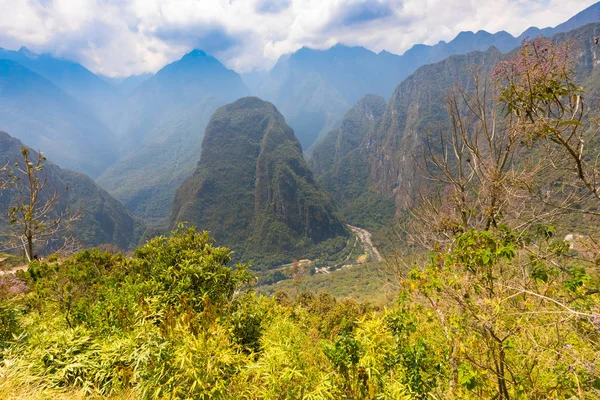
(124, 37)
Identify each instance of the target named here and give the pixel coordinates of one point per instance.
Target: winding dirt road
(365, 237)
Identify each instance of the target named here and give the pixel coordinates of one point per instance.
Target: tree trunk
(29, 251)
(502, 389)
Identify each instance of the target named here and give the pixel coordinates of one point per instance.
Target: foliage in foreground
(496, 312)
(172, 321)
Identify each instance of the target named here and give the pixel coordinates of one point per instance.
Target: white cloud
(122, 37)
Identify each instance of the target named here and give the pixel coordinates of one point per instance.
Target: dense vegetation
(254, 191)
(369, 282)
(488, 298)
(174, 321)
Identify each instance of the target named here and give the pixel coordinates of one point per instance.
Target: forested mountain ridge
(252, 188)
(161, 132)
(357, 123)
(73, 78)
(41, 114)
(102, 219)
(341, 166)
(391, 151)
(314, 88)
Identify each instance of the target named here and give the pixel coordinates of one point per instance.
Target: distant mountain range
(314, 88)
(382, 168)
(40, 113)
(161, 131)
(141, 136)
(127, 84)
(481, 40)
(73, 78)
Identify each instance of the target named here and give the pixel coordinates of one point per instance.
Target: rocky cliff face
(417, 109)
(355, 126)
(341, 165)
(385, 162)
(252, 188)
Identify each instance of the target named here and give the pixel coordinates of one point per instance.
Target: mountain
(130, 83)
(587, 16)
(416, 109)
(384, 164)
(103, 219)
(127, 85)
(253, 190)
(354, 127)
(314, 88)
(73, 78)
(44, 116)
(184, 83)
(341, 166)
(161, 132)
(467, 42)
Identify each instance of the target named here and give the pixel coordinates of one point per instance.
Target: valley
(280, 208)
(365, 238)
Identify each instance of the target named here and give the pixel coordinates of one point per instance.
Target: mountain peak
(337, 48)
(26, 52)
(196, 53)
(252, 188)
(465, 34)
(197, 58)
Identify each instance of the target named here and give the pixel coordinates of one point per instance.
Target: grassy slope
(366, 282)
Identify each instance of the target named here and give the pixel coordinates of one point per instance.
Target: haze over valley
(299, 200)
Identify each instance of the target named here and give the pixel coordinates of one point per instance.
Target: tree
(38, 216)
(481, 174)
(518, 155)
(537, 87)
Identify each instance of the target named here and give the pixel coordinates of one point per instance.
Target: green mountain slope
(103, 219)
(385, 164)
(253, 190)
(415, 111)
(341, 166)
(357, 123)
